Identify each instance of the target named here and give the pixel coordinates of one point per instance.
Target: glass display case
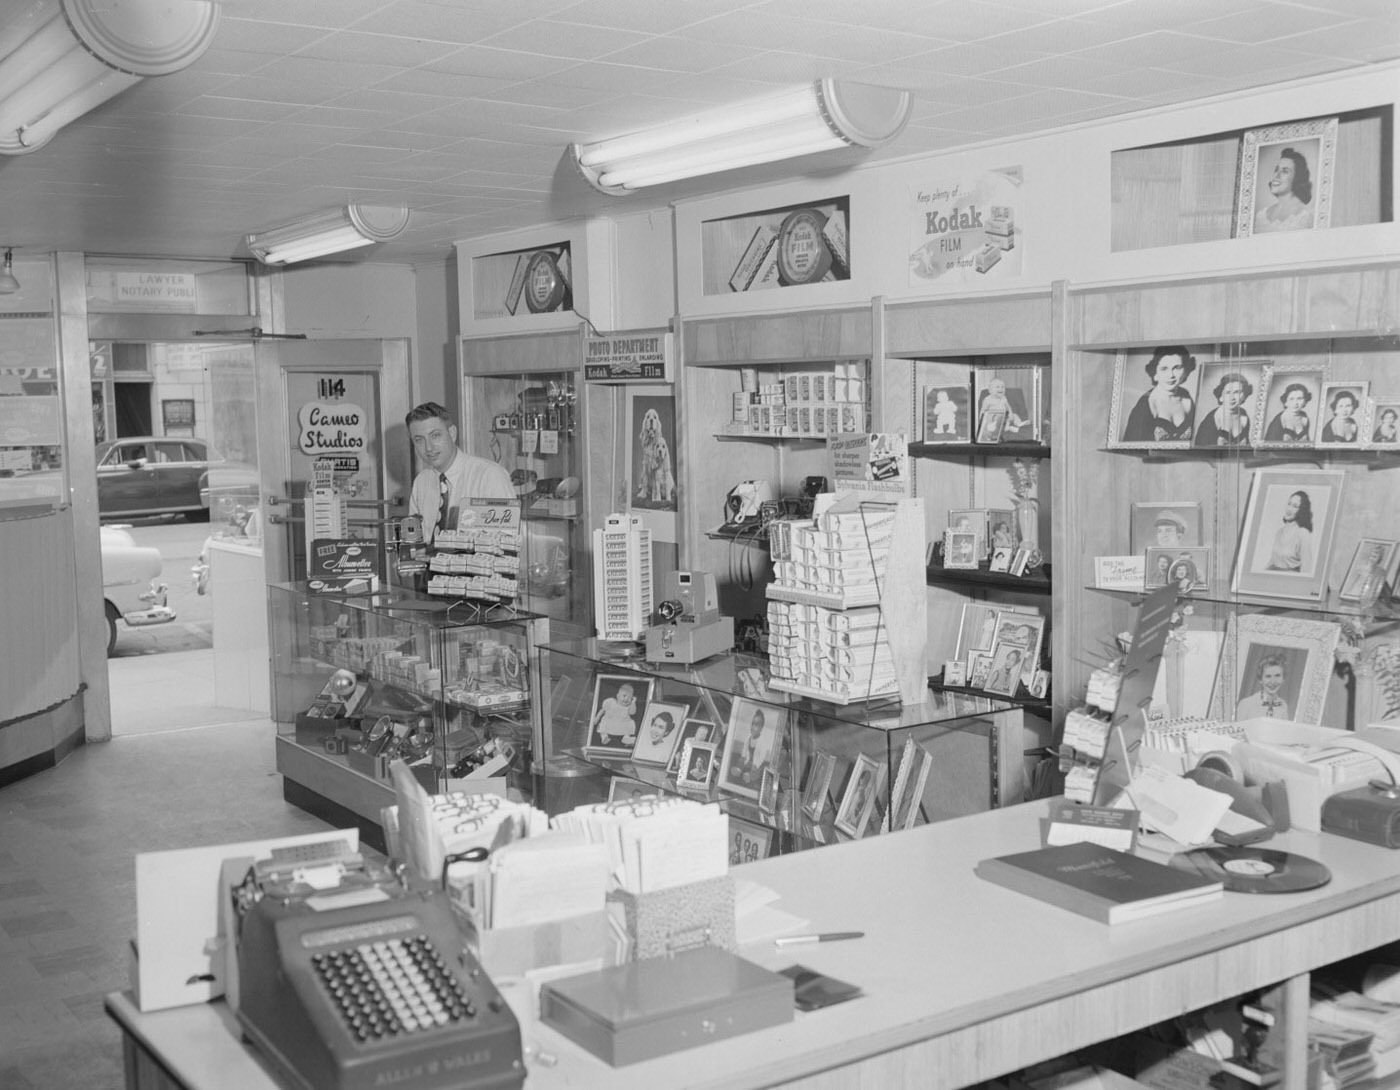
(358, 680)
(792, 772)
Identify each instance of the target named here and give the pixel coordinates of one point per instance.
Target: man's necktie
(444, 494)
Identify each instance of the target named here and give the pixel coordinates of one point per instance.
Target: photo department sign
(637, 355)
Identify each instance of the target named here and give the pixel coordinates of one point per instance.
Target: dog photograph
(653, 457)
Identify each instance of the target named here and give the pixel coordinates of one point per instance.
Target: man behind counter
(451, 477)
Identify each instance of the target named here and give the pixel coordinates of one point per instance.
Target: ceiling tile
(433, 22)
(556, 38)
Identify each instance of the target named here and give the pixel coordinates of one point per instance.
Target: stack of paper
(657, 842)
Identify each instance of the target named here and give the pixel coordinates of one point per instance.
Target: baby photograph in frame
(1014, 391)
(618, 701)
(948, 414)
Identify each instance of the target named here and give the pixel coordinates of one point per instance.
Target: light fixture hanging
(8, 284)
(814, 117)
(329, 232)
(61, 58)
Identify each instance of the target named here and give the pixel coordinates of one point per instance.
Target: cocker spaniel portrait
(657, 479)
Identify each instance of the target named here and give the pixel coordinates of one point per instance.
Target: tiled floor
(68, 840)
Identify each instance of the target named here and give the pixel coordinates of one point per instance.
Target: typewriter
(350, 981)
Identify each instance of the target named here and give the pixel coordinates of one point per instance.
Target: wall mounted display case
(442, 685)
(792, 772)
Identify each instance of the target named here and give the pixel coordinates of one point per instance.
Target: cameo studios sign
(331, 428)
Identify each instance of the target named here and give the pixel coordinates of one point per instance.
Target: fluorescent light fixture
(814, 117)
(8, 284)
(61, 58)
(329, 232)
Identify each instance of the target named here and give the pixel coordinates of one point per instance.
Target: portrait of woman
(1387, 425)
(1291, 187)
(1289, 530)
(1228, 424)
(1291, 424)
(1166, 412)
(1344, 402)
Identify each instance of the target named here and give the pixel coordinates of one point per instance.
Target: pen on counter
(824, 936)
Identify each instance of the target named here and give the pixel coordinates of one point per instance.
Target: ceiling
(462, 109)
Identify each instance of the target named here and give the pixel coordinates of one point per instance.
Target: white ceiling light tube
(331, 232)
(815, 117)
(61, 58)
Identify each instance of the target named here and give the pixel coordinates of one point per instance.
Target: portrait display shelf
(809, 749)
(1281, 528)
(1005, 449)
(446, 686)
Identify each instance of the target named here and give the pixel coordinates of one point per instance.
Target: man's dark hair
(428, 411)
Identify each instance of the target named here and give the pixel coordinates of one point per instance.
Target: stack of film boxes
(477, 562)
(827, 634)
(325, 513)
(805, 404)
(622, 578)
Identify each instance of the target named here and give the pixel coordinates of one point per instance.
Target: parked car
(160, 475)
(131, 583)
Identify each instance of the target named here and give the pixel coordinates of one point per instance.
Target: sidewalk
(172, 690)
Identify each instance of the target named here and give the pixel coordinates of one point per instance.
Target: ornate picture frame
(1298, 653)
(1307, 150)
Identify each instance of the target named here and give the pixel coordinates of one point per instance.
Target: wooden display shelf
(991, 450)
(1037, 705)
(1037, 583)
(1247, 456)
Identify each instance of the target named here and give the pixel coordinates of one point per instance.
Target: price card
(1105, 826)
(549, 442)
(529, 442)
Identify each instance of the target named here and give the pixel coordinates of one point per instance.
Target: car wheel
(111, 628)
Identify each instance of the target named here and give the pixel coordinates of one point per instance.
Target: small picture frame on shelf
(768, 790)
(990, 426)
(1290, 524)
(1008, 663)
(1289, 405)
(1285, 177)
(977, 630)
(1023, 629)
(858, 800)
(1021, 559)
(818, 785)
(1001, 528)
(1040, 684)
(979, 667)
(625, 788)
(698, 730)
(1278, 667)
(1343, 406)
(960, 548)
(1001, 558)
(955, 672)
(1385, 423)
(915, 764)
(1187, 568)
(1372, 554)
(973, 519)
(948, 413)
(748, 843)
(1227, 417)
(617, 704)
(1165, 524)
(656, 741)
(697, 766)
(1014, 391)
(752, 743)
(1157, 412)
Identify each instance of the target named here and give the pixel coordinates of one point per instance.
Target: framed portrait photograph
(1154, 398)
(960, 548)
(858, 800)
(1001, 558)
(661, 727)
(990, 426)
(768, 790)
(752, 743)
(818, 786)
(1165, 524)
(977, 630)
(979, 667)
(915, 764)
(1040, 684)
(1014, 391)
(1021, 558)
(1017, 628)
(1289, 406)
(948, 413)
(697, 766)
(955, 672)
(1385, 423)
(1289, 526)
(1371, 553)
(974, 520)
(1001, 528)
(1342, 406)
(1278, 667)
(1008, 663)
(748, 843)
(1187, 568)
(624, 788)
(1227, 415)
(698, 730)
(1285, 177)
(618, 701)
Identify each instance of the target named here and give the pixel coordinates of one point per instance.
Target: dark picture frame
(752, 742)
(948, 419)
(613, 694)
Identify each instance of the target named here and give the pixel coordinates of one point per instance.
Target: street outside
(179, 543)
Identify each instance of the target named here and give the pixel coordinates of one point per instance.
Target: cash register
(350, 980)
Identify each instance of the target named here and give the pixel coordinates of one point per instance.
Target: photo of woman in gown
(1228, 424)
(1167, 411)
(1292, 424)
(1290, 185)
(1342, 427)
(1387, 426)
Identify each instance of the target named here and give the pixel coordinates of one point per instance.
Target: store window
(31, 415)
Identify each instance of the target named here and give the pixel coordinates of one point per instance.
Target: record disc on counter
(1254, 870)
